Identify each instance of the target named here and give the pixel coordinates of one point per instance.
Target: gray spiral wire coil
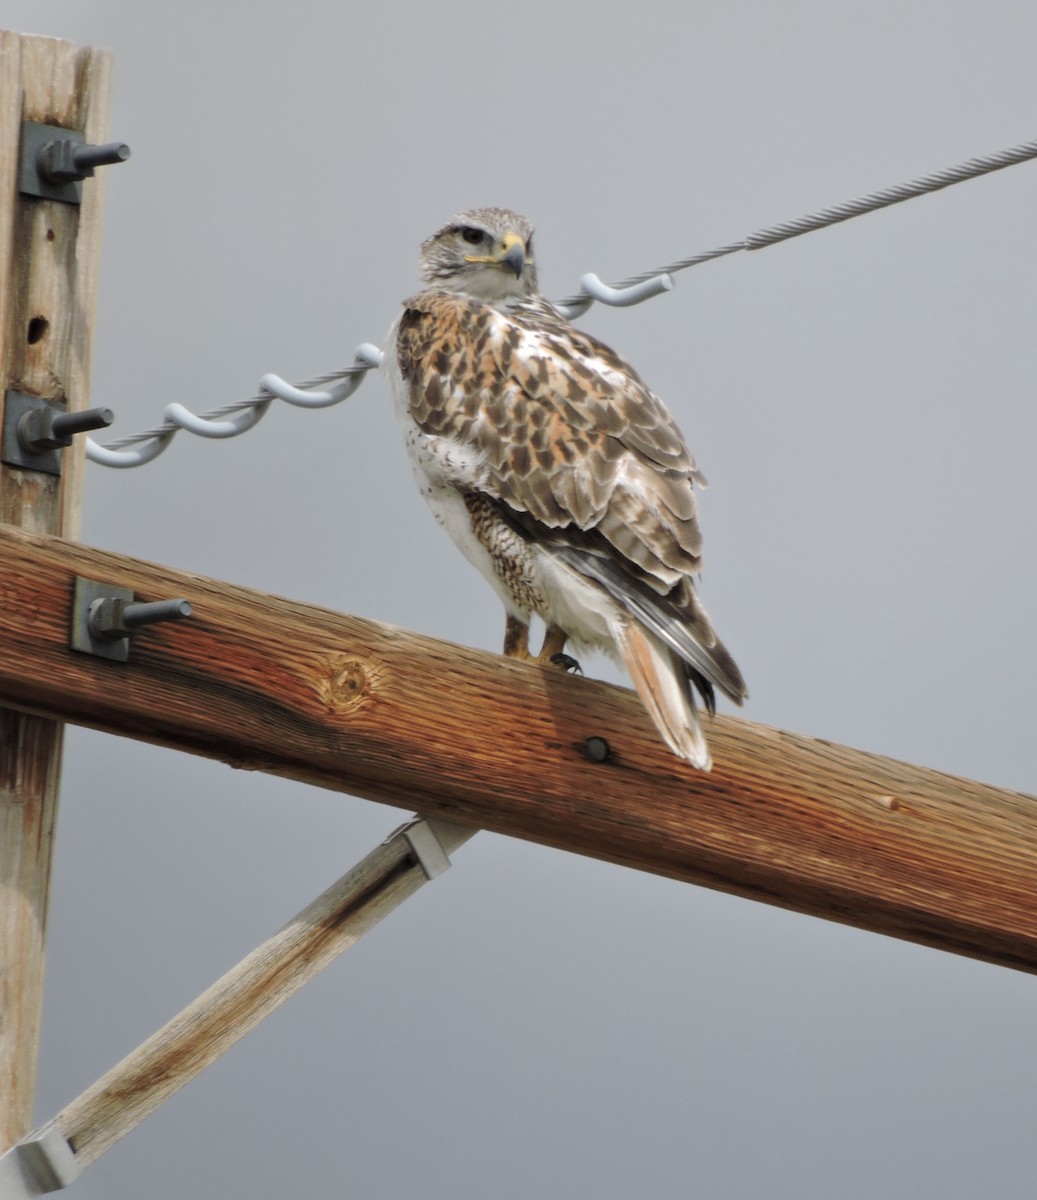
(325, 390)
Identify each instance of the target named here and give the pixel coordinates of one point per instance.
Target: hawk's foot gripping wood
(554, 644)
(552, 652)
(516, 645)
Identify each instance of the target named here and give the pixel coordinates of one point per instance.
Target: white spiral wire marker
(326, 390)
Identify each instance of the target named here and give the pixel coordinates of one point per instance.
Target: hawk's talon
(567, 663)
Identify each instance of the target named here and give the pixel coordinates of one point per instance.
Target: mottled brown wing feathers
(570, 433)
(576, 451)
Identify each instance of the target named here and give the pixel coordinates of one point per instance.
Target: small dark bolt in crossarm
(598, 750)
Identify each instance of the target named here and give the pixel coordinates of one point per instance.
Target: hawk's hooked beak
(513, 253)
(510, 254)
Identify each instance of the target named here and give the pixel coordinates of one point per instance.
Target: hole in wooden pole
(38, 327)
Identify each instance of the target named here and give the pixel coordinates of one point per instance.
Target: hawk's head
(486, 253)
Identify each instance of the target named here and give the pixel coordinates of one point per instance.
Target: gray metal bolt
(67, 161)
(44, 428)
(111, 618)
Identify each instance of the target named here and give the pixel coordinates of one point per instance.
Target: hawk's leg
(516, 638)
(552, 651)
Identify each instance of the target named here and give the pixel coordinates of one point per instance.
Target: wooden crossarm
(269, 684)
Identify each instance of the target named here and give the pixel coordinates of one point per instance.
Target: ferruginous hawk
(560, 476)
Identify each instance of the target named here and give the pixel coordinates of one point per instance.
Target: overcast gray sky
(861, 399)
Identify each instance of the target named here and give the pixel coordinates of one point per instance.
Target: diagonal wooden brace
(52, 1156)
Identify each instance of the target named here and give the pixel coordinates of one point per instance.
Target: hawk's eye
(471, 235)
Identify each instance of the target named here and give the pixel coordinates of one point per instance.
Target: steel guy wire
(325, 390)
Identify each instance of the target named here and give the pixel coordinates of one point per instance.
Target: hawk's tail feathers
(661, 681)
(689, 635)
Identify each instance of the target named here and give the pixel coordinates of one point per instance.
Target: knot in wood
(344, 683)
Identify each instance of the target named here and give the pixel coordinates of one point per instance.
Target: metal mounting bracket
(41, 1162)
(52, 161)
(13, 450)
(105, 617)
(36, 429)
(425, 846)
(88, 592)
(31, 181)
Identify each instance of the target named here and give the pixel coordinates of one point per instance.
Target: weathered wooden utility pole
(49, 251)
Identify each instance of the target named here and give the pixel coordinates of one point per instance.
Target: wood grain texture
(48, 281)
(252, 990)
(267, 684)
